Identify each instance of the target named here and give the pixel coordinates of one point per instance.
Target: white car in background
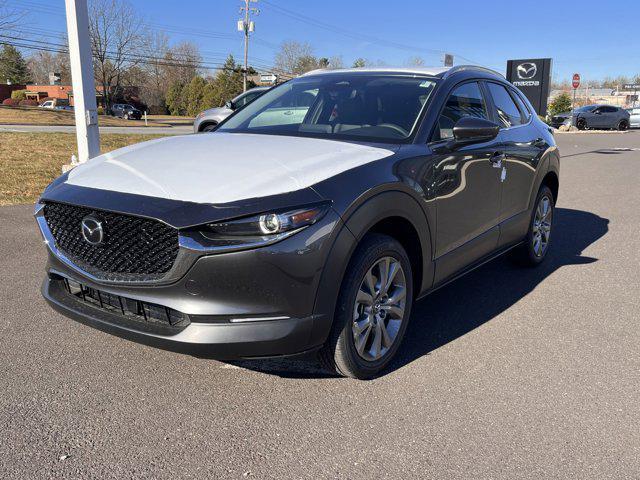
(208, 120)
(634, 121)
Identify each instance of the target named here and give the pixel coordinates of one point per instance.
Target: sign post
(575, 83)
(84, 90)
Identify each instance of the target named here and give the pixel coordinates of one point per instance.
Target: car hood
(222, 167)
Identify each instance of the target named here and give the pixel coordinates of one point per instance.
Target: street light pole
(84, 90)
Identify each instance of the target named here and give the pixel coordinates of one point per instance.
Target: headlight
(273, 223)
(254, 231)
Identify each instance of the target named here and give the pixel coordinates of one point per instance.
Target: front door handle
(497, 159)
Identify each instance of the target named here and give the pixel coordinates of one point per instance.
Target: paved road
(507, 373)
(171, 130)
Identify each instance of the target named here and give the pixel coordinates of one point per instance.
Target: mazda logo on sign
(92, 230)
(527, 71)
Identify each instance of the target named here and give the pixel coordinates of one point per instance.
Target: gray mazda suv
(309, 221)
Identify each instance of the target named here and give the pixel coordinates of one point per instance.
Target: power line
(350, 34)
(39, 45)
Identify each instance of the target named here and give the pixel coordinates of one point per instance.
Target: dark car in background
(601, 117)
(126, 111)
(561, 119)
(310, 220)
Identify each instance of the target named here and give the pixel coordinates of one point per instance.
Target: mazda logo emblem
(92, 230)
(527, 70)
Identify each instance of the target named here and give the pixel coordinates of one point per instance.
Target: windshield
(357, 106)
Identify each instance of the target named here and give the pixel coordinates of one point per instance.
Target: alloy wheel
(542, 226)
(379, 309)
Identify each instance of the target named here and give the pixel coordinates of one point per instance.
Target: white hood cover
(221, 167)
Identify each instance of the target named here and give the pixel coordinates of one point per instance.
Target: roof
(428, 71)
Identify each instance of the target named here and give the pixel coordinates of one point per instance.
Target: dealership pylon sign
(533, 78)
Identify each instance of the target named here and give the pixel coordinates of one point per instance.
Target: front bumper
(244, 304)
(225, 341)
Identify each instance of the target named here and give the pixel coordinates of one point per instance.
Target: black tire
(339, 353)
(581, 124)
(209, 127)
(623, 125)
(525, 254)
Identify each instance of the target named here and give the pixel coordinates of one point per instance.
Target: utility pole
(247, 26)
(84, 90)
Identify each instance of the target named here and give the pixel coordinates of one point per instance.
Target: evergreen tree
(560, 104)
(175, 99)
(13, 66)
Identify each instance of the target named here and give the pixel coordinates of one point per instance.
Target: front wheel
(373, 309)
(209, 128)
(581, 124)
(623, 125)
(536, 245)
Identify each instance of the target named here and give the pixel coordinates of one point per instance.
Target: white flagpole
(84, 90)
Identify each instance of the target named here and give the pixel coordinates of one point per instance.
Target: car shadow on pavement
(474, 299)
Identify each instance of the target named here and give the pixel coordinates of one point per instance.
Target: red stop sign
(576, 80)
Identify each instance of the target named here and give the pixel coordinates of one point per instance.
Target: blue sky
(592, 37)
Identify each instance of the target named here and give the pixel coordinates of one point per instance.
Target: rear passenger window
(508, 113)
(465, 101)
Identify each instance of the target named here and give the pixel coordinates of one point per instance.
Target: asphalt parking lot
(507, 373)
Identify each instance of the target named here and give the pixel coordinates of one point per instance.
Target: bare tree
(336, 62)
(116, 37)
(41, 64)
(295, 58)
(181, 63)
(415, 62)
(154, 82)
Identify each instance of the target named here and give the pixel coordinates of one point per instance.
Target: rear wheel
(623, 125)
(373, 309)
(534, 250)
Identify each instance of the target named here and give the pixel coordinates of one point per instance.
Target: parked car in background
(560, 119)
(634, 117)
(56, 104)
(208, 120)
(126, 111)
(601, 116)
(310, 220)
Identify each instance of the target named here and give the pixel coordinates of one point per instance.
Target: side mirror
(470, 130)
(229, 105)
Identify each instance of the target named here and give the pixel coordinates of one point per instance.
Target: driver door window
(465, 101)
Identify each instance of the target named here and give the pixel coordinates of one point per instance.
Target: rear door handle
(497, 159)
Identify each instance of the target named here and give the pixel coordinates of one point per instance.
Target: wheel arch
(392, 213)
(206, 124)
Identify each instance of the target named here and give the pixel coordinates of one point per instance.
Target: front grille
(132, 249)
(133, 313)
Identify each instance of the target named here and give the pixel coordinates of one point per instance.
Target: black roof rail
(461, 68)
